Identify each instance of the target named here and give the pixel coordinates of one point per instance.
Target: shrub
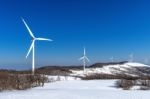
(20, 81)
(125, 84)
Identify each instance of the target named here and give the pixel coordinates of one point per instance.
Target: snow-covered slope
(130, 68)
(134, 64)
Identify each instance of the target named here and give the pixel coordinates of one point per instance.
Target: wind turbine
(84, 59)
(131, 58)
(146, 60)
(112, 59)
(32, 47)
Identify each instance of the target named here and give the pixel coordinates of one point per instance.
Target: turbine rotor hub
(33, 38)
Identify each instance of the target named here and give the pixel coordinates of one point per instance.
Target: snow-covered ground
(65, 87)
(110, 69)
(76, 89)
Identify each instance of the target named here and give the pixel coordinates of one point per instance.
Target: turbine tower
(32, 47)
(84, 58)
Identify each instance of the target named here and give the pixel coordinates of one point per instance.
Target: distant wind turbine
(131, 58)
(32, 47)
(146, 60)
(112, 59)
(84, 59)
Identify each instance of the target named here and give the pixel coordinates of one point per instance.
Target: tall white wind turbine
(84, 59)
(32, 47)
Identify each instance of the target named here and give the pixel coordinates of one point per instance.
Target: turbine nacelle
(33, 39)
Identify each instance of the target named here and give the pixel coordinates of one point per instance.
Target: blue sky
(106, 27)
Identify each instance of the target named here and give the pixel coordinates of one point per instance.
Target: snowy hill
(113, 68)
(128, 68)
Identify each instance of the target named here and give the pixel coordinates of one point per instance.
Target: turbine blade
(30, 49)
(87, 59)
(84, 51)
(81, 58)
(31, 34)
(43, 39)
